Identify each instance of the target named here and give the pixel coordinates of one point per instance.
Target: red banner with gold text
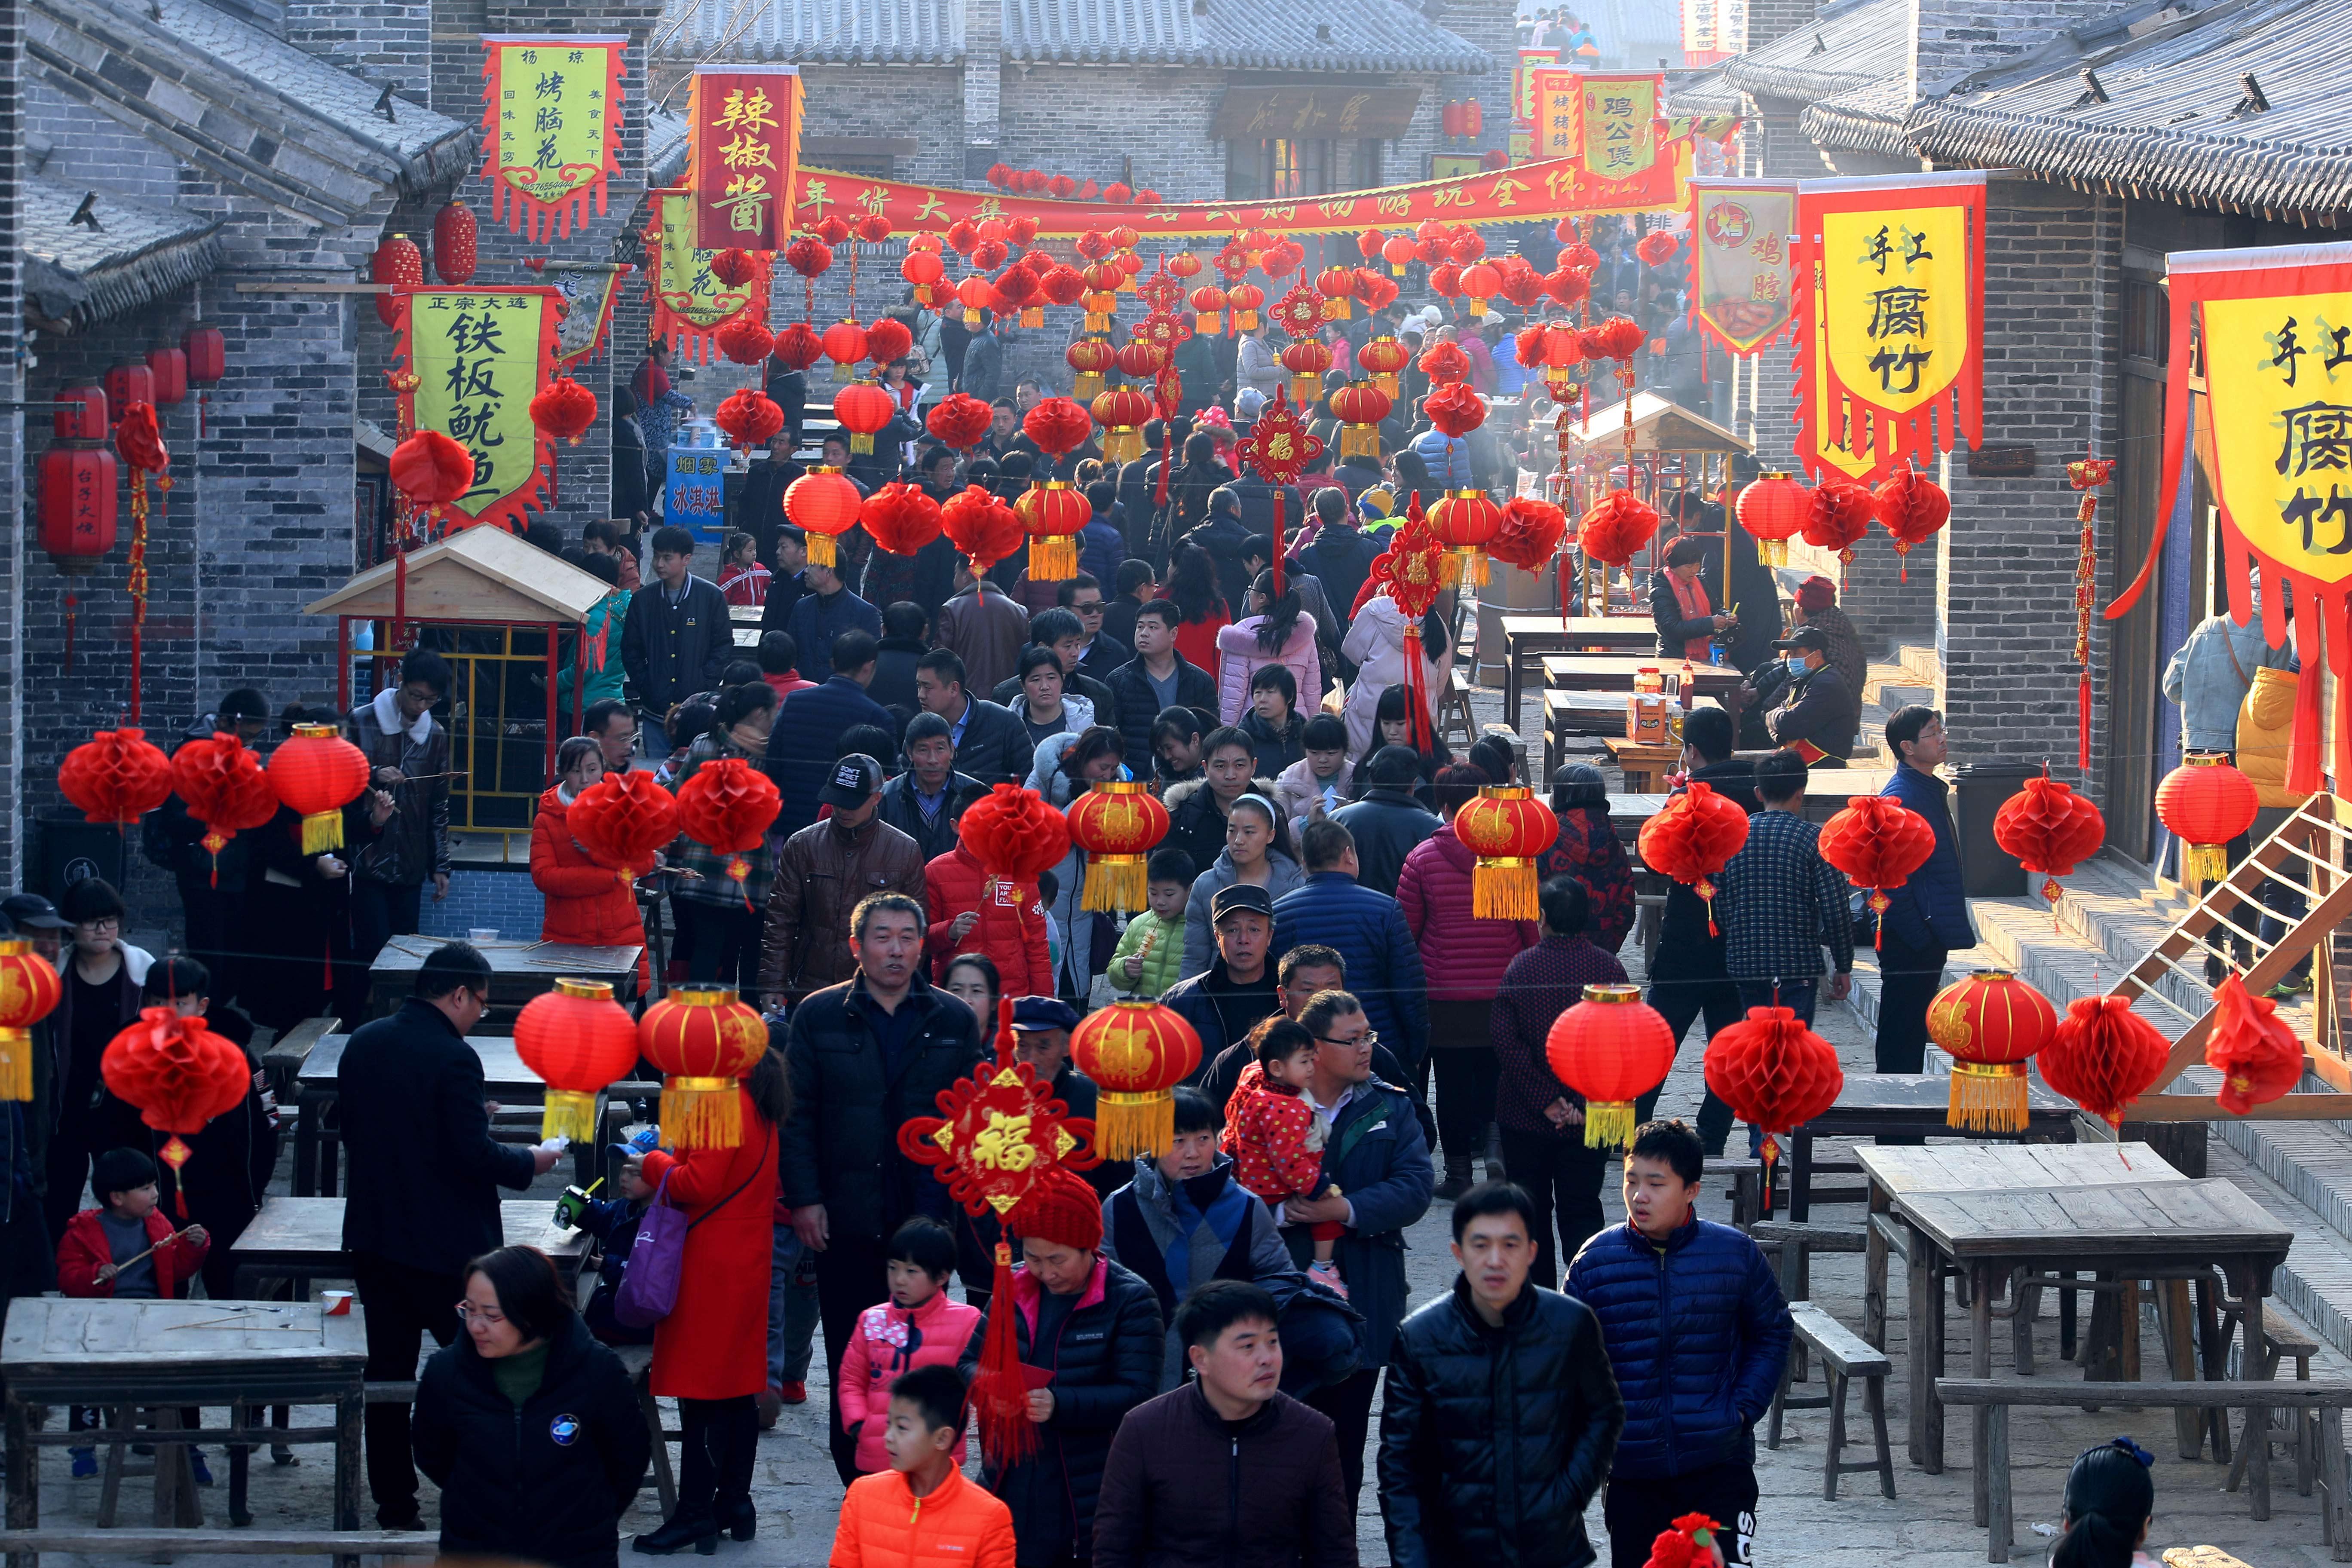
(746, 124)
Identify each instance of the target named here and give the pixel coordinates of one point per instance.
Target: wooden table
(301, 1239)
(59, 1352)
(1643, 764)
(1897, 1104)
(519, 971)
(319, 1087)
(1986, 1212)
(1529, 637)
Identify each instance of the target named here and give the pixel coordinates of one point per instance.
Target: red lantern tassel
(1278, 488)
(1000, 1392)
(1771, 1155)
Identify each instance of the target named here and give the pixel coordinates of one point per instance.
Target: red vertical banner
(746, 131)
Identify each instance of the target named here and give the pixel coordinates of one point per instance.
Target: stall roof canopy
(481, 575)
(1658, 426)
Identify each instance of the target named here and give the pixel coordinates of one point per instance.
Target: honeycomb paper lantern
(577, 1039)
(1775, 1074)
(1692, 841)
(982, 527)
(117, 776)
(1839, 513)
(222, 783)
(1613, 530)
(29, 991)
(728, 806)
(1137, 1053)
(1993, 1022)
(2104, 1056)
(623, 821)
(1611, 1048)
(179, 1075)
(1912, 507)
(901, 517)
(750, 418)
(2051, 830)
(705, 1041)
(2258, 1057)
(1877, 842)
(315, 774)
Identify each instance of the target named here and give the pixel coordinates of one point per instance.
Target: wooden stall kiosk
(499, 610)
(1674, 450)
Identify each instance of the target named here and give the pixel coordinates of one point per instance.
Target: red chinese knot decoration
(1277, 448)
(2085, 474)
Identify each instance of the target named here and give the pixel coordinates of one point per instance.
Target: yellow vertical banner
(1556, 102)
(1620, 131)
(688, 300)
(480, 356)
(552, 128)
(1746, 278)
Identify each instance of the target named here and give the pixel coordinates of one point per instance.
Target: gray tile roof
(1850, 45)
(2173, 125)
(1867, 119)
(248, 108)
(77, 275)
(667, 148)
(1383, 35)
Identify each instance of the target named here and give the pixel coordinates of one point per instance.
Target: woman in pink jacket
(1464, 957)
(1276, 631)
(917, 1326)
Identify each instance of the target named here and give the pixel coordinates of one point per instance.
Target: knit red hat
(1816, 594)
(1060, 1209)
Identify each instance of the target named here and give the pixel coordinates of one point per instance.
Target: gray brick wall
(67, 142)
(1953, 37)
(14, 497)
(384, 40)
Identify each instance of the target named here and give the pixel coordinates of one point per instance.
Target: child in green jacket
(1150, 955)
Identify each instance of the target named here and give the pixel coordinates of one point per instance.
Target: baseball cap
(32, 911)
(644, 1140)
(1237, 899)
(1810, 638)
(854, 778)
(1031, 1013)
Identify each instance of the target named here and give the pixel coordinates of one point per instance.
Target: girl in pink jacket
(1276, 632)
(917, 1326)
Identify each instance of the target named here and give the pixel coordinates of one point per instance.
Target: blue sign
(695, 497)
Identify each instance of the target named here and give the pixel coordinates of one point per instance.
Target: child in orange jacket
(922, 1510)
(1276, 1139)
(126, 1250)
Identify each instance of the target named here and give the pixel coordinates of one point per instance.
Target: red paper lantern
(808, 257)
(221, 782)
(959, 420)
(1089, 358)
(180, 1075)
(901, 517)
(1063, 285)
(1507, 828)
(1612, 1049)
(623, 821)
(873, 229)
(1360, 406)
(1122, 413)
(962, 234)
(432, 470)
(982, 527)
(2050, 829)
(29, 991)
(1207, 301)
(705, 1041)
(2104, 1056)
(577, 1039)
(1772, 509)
(1382, 358)
(797, 347)
(824, 505)
(1481, 282)
(1912, 507)
(1444, 363)
(728, 806)
(1445, 280)
(888, 340)
(1454, 408)
(1615, 527)
(315, 774)
(1338, 285)
(845, 345)
(1016, 289)
(115, 776)
(455, 248)
(1775, 1074)
(2205, 803)
(168, 371)
(207, 354)
(744, 338)
(1135, 1053)
(1375, 290)
(127, 385)
(78, 504)
(1057, 425)
(1993, 1022)
(398, 262)
(865, 410)
(750, 418)
(1465, 522)
(1014, 834)
(1117, 824)
(1619, 338)
(564, 410)
(2251, 1047)
(1398, 252)
(736, 268)
(80, 415)
(1053, 515)
(1693, 838)
(1580, 256)
(922, 268)
(975, 295)
(1531, 534)
(1657, 247)
(1246, 299)
(1838, 515)
(1877, 842)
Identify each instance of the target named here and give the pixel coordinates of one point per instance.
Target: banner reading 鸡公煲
(745, 125)
(1889, 320)
(2271, 331)
(480, 356)
(689, 302)
(552, 128)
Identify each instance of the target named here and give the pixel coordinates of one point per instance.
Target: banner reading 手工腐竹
(552, 128)
(2271, 330)
(1744, 294)
(689, 302)
(745, 129)
(480, 356)
(1889, 322)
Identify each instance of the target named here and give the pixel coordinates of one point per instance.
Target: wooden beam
(2202, 1108)
(314, 287)
(2056, 1392)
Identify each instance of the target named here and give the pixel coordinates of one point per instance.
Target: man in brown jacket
(985, 630)
(408, 758)
(823, 872)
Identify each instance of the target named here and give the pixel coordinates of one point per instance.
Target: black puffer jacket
(1186, 1487)
(548, 1482)
(1493, 1439)
(1105, 1359)
(840, 1145)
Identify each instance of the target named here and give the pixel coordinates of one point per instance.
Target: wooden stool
(1844, 1356)
(2282, 1340)
(1454, 710)
(638, 1361)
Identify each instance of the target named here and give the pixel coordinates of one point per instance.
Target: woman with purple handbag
(700, 1265)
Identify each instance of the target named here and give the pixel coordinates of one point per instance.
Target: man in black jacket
(1156, 680)
(1387, 821)
(865, 1056)
(921, 802)
(1062, 631)
(1501, 1412)
(1238, 991)
(1340, 555)
(423, 1201)
(1816, 715)
(678, 636)
(991, 742)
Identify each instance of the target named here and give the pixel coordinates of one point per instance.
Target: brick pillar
(1492, 25)
(984, 86)
(386, 41)
(1771, 19)
(13, 499)
(1951, 38)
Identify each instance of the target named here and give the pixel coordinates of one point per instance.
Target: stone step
(2314, 1283)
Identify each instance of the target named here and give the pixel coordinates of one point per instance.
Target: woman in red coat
(1465, 958)
(587, 904)
(711, 1352)
(975, 911)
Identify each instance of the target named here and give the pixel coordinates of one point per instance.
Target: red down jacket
(587, 904)
(1011, 928)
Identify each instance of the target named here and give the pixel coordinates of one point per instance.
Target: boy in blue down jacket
(1697, 1332)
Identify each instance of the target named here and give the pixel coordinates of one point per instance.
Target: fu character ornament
(1278, 446)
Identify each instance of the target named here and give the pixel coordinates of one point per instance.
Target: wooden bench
(1996, 1394)
(160, 1545)
(638, 1362)
(1792, 1245)
(1844, 1357)
(2283, 1340)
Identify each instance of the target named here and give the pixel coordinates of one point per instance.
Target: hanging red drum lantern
(456, 244)
(822, 504)
(127, 385)
(315, 774)
(1507, 828)
(845, 345)
(169, 371)
(705, 1042)
(207, 353)
(29, 991)
(1135, 1053)
(1991, 1023)
(1613, 1048)
(1117, 824)
(1772, 509)
(1122, 413)
(578, 1040)
(78, 506)
(398, 262)
(80, 415)
(2205, 803)
(1360, 406)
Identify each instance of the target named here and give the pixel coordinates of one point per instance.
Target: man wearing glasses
(423, 1175)
(1375, 1154)
(1082, 595)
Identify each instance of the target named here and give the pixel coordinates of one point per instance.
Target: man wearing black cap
(1237, 990)
(822, 871)
(1817, 712)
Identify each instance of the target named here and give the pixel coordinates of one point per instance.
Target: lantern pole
(553, 630)
(344, 662)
